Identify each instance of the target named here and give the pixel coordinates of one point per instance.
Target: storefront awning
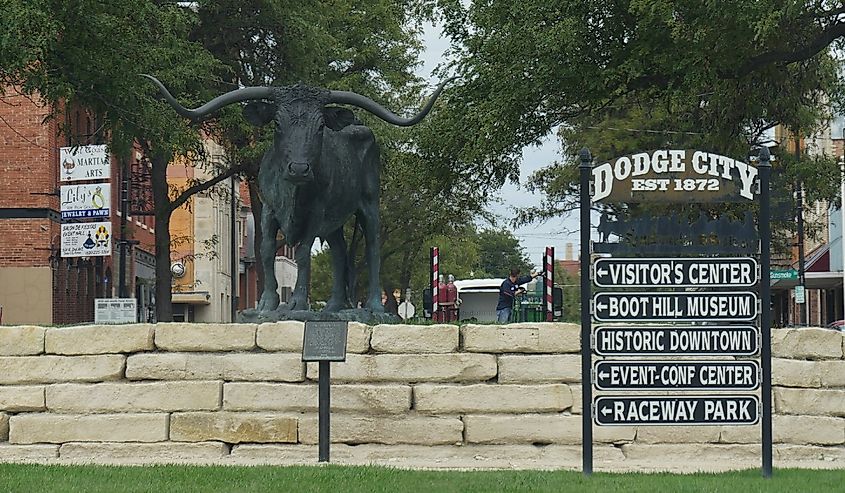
(192, 298)
(813, 280)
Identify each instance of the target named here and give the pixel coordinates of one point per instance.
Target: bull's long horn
(236, 96)
(380, 111)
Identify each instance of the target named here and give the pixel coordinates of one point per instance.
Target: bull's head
(301, 114)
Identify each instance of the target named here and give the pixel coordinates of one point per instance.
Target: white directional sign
(721, 306)
(676, 272)
(693, 340)
(677, 375)
(662, 410)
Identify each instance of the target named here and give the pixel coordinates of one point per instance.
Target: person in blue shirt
(509, 289)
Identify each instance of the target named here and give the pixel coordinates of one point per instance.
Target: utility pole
(799, 212)
(234, 247)
(842, 220)
(842, 226)
(124, 210)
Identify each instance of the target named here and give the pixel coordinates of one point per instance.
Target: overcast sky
(536, 237)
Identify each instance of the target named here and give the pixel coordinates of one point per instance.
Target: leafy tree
(499, 251)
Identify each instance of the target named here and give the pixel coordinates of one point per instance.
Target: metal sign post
(586, 322)
(765, 311)
(324, 342)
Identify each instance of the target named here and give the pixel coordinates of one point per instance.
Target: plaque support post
(586, 323)
(765, 310)
(324, 411)
(324, 342)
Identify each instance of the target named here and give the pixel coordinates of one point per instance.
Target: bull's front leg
(369, 218)
(270, 296)
(299, 298)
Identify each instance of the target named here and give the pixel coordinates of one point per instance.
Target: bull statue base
(362, 315)
(321, 168)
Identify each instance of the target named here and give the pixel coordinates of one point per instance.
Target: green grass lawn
(341, 479)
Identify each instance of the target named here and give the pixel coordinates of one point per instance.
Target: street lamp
(842, 216)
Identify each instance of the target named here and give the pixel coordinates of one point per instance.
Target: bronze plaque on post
(324, 341)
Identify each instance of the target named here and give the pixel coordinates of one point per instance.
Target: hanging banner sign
(86, 239)
(677, 375)
(730, 340)
(720, 306)
(660, 410)
(677, 272)
(674, 176)
(84, 163)
(84, 201)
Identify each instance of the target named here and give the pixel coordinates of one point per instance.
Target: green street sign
(790, 274)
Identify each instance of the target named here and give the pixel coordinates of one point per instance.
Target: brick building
(37, 285)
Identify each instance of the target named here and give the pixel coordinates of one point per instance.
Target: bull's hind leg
(270, 296)
(337, 244)
(369, 218)
(299, 298)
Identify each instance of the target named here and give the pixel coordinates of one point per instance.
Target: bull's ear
(259, 113)
(337, 118)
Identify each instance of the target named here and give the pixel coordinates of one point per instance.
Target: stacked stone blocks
(218, 392)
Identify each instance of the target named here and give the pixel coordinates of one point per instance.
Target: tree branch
(819, 43)
(201, 187)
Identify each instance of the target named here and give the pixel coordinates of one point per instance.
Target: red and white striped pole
(549, 278)
(435, 282)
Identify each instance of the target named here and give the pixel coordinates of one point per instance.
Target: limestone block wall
(239, 392)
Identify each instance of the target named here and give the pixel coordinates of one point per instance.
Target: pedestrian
(511, 288)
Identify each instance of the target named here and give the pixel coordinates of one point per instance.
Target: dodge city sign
(672, 175)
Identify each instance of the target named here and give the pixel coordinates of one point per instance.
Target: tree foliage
(88, 54)
(499, 252)
(633, 74)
